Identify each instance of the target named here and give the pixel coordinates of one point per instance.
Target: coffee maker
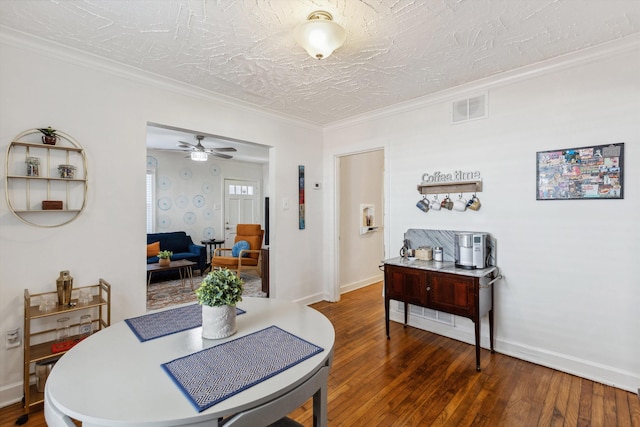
(471, 250)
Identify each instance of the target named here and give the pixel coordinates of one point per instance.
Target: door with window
(241, 201)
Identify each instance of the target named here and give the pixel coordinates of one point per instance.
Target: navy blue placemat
(162, 323)
(217, 373)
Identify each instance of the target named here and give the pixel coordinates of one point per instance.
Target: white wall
(570, 297)
(106, 108)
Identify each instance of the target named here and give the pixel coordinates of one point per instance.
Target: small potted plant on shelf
(218, 294)
(164, 258)
(49, 136)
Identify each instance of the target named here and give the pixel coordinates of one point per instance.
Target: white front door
(241, 206)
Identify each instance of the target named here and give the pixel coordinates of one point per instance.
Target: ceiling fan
(199, 152)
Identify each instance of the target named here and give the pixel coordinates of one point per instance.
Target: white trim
(10, 37)
(361, 283)
(558, 63)
(572, 365)
(10, 394)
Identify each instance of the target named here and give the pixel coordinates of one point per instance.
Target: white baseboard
(463, 331)
(10, 394)
(361, 283)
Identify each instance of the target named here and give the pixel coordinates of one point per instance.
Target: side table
(211, 245)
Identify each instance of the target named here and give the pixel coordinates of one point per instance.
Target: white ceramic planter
(218, 322)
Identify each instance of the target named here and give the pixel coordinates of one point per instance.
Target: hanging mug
(423, 205)
(474, 203)
(435, 204)
(460, 204)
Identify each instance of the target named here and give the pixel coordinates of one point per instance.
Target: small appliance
(471, 250)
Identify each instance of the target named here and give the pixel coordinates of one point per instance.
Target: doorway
(360, 178)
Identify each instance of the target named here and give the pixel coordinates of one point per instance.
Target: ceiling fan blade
(223, 156)
(225, 149)
(185, 144)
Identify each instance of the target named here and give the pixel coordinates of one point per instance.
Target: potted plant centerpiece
(164, 258)
(218, 294)
(49, 136)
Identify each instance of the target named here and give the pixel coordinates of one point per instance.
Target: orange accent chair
(247, 259)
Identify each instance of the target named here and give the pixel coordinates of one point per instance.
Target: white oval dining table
(112, 379)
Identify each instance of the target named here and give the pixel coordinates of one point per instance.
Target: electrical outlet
(13, 338)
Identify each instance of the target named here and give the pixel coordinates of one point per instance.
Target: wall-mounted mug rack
(451, 187)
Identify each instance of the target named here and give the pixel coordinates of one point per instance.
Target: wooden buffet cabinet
(442, 287)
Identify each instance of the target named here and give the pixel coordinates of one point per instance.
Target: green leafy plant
(48, 131)
(165, 254)
(220, 287)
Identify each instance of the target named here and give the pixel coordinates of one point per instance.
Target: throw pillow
(239, 246)
(153, 249)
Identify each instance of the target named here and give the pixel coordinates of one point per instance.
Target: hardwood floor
(421, 379)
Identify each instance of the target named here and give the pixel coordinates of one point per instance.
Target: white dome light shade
(319, 35)
(199, 156)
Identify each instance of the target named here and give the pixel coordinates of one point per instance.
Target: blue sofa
(182, 247)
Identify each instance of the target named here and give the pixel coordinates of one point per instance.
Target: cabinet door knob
(428, 288)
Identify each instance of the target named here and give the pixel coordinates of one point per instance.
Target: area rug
(217, 373)
(173, 292)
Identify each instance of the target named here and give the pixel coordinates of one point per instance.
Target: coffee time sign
(456, 176)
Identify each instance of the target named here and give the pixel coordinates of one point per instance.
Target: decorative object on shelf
(49, 136)
(33, 166)
(51, 205)
(64, 285)
(367, 218)
(218, 294)
(319, 35)
(67, 171)
(164, 258)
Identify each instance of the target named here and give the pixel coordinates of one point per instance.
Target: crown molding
(54, 50)
(563, 62)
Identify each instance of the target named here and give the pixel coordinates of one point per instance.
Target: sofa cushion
(153, 249)
(241, 245)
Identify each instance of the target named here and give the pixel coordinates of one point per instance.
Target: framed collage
(594, 172)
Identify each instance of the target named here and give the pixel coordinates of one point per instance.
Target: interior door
(240, 207)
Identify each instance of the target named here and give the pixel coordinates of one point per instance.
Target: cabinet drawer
(452, 294)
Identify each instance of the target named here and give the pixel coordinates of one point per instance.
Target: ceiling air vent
(469, 109)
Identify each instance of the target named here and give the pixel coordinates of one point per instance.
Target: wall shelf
(25, 193)
(451, 187)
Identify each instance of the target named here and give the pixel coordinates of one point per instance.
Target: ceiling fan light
(319, 35)
(199, 156)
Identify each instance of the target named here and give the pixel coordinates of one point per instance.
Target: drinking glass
(62, 329)
(86, 327)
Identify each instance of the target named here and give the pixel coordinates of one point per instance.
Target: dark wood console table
(441, 287)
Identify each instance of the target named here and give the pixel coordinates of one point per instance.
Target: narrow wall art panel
(301, 197)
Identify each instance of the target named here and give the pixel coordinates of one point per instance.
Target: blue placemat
(217, 373)
(162, 323)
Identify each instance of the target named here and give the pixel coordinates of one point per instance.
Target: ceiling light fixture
(319, 35)
(199, 156)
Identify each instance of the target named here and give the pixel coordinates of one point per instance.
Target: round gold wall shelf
(54, 191)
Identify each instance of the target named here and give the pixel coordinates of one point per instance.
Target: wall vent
(427, 313)
(467, 109)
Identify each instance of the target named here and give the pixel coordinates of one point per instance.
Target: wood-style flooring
(422, 379)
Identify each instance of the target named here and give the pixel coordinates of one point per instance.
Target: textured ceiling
(396, 50)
